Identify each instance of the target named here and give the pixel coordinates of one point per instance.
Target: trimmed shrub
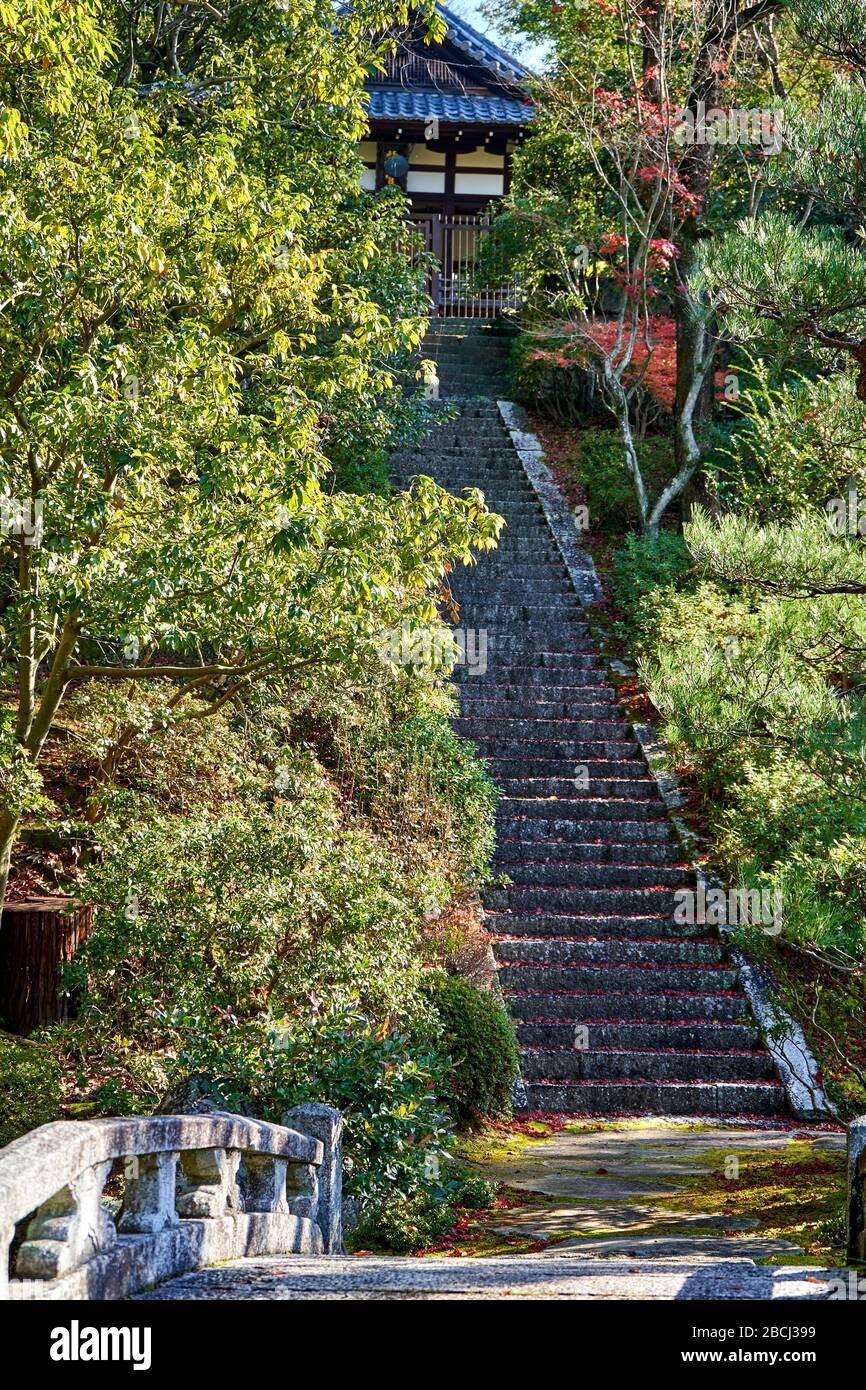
(481, 1040)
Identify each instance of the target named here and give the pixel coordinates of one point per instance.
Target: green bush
(403, 1224)
(644, 565)
(607, 485)
(480, 1038)
(475, 1193)
(386, 1080)
(301, 851)
(793, 447)
(29, 1087)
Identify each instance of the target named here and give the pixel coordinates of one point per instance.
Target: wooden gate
(454, 285)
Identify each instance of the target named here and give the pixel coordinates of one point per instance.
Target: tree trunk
(8, 829)
(37, 935)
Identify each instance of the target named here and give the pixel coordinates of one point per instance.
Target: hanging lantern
(396, 166)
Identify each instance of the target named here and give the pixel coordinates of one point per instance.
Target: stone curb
(581, 569)
(786, 1041)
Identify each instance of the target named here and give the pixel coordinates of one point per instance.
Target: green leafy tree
(800, 276)
(186, 293)
(626, 82)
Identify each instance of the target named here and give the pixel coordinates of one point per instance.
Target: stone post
(857, 1189)
(149, 1198)
(69, 1229)
(266, 1183)
(324, 1123)
(208, 1183)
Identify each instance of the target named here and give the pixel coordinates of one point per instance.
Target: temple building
(444, 120)
(454, 112)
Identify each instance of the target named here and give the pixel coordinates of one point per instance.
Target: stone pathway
(609, 1184)
(612, 1188)
(526, 1276)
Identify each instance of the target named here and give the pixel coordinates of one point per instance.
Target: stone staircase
(471, 356)
(618, 1008)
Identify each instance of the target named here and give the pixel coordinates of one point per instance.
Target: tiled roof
(483, 50)
(401, 105)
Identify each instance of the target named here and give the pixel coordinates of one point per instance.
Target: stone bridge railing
(196, 1189)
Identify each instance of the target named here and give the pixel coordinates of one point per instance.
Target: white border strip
(563, 527)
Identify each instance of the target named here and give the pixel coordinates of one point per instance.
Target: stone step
(620, 831)
(685, 1035)
(561, 731)
(475, 465)
(483, 355)
(603, 769)
(514, 570)
(593, 875)
(580, 808)
(452, 453)
(484, 481)
(558, 950)
(456, 383)
(588, 1006)
(485, 707)
(523, 626)
(516, 651)
(487, 359)
(583, 750)
(534, 925)
(490, 371)
(582, 685)
(558, 616)
(643, 902)
(556, 853)
(511, 543)
(545, 683)
(591, 1064)
(617, 1097)
(616, 788)
(468, 587)
(504, 643)
(478, 477)
(642, 979)
(545, 668)
(488, 366)
(496, 648)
